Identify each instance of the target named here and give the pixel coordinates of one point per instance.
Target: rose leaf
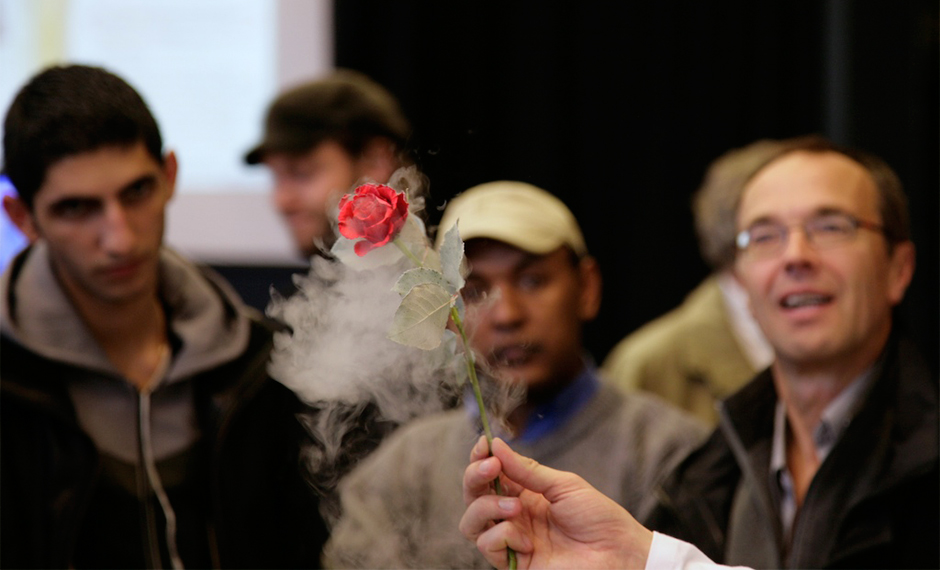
(452, 258)
(422, 316)
(418, 276)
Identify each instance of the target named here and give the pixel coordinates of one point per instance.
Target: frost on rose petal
(375, 213)
(344, 251)
(412, 236)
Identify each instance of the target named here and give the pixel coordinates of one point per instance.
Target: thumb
(530, 474)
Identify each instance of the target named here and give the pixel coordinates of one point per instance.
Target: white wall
(208, 70)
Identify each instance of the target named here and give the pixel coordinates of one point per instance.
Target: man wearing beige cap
(531, 287)
(320, 139)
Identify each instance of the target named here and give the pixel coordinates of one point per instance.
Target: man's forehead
(97, 173)
(809, 182)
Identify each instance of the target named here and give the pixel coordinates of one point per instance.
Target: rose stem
(404, 249)
(472, 371)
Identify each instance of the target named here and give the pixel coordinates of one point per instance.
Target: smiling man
(139, 426)
(830, 457)
(531, 288)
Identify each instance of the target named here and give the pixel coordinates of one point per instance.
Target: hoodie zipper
(150, 478)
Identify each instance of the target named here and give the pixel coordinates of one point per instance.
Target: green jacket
(688, 357)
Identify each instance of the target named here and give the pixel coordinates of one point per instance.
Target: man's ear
(900, 270)
(591, 288)
(20, 215)
(378, 160)
(170, 168)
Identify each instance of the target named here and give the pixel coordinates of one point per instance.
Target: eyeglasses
(765, 239)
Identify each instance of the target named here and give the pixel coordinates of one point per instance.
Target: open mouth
(798, 300)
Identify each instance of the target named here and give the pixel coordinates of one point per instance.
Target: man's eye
(74, 209)
(831, 226)
(531, 281)
(472, 293)
(301, 173)
(139, 191)
(764, 235)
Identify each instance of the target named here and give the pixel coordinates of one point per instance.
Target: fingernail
(505, 504)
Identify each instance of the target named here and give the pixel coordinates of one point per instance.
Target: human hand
(551, 519)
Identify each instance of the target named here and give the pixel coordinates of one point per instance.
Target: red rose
(374, 213)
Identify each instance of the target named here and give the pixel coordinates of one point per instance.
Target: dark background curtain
(618, 107)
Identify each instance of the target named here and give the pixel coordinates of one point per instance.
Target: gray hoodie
(144, 437)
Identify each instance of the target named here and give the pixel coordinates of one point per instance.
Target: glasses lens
(830, 228)
(765, 238)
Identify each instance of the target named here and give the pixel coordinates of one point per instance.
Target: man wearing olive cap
(531, 288)
(323, 137)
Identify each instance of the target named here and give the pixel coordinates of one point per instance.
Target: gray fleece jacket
(403, 504)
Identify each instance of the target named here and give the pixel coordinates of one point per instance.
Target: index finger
(481, 450)
(478, 478)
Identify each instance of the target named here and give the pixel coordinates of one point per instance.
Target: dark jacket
(252, 488)
(873, 503)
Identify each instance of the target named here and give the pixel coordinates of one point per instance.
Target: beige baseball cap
(516, 213)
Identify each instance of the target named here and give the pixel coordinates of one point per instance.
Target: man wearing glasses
(819, 456)
(829, 458)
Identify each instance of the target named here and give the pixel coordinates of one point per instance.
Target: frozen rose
(375, 213)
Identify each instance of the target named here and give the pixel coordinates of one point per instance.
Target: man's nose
(798, 250)
(508, 309)
(284, 195)
(117, 234)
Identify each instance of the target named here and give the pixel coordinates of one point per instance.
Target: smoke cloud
(338, 359)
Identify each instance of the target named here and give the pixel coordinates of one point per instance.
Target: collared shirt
(835, 418)
(551, 415)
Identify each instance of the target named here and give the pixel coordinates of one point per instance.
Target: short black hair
(67, 110)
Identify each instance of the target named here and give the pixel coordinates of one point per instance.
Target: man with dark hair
(321, 138)
(139, 426)
(827, 459)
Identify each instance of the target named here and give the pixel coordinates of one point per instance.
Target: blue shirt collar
(551, 415)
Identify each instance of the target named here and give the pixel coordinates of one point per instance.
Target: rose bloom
(375, 213)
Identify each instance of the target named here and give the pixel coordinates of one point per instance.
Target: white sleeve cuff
(668, 553)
